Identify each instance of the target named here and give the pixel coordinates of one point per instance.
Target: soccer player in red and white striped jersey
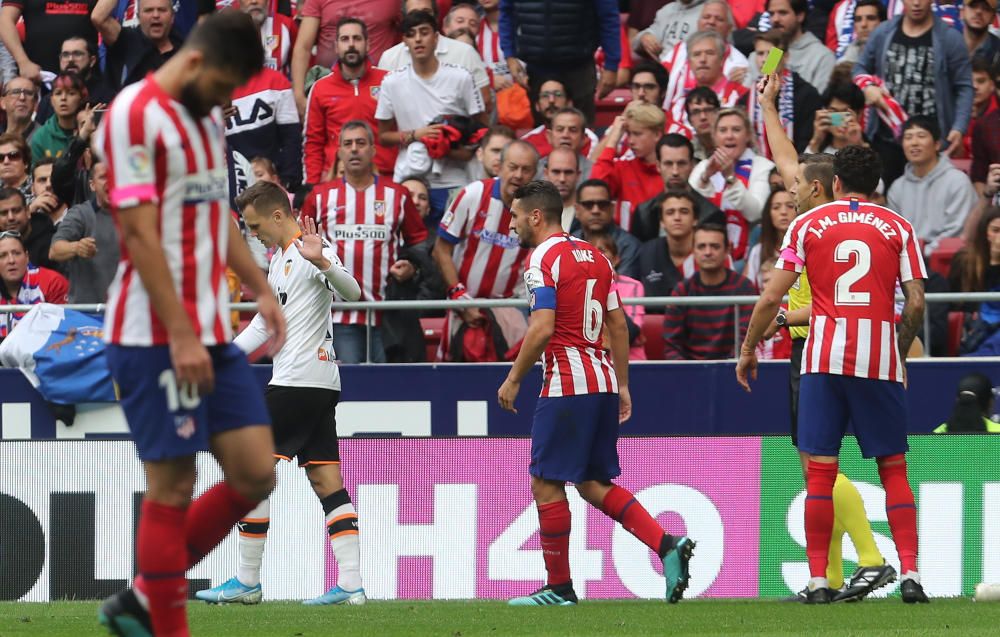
(478, 256)
(853, 368)
(363, 216)
(184, 387)
(584, 395)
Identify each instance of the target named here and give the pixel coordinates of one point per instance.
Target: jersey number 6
(593, 314)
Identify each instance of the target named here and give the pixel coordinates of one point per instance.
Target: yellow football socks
(850, 516)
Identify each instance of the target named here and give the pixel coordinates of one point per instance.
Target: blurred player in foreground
(810, 180)
(584, 397)
(184, 387)
(303, 393)
(853, 370)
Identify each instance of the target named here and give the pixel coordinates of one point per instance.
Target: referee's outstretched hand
(746, 369)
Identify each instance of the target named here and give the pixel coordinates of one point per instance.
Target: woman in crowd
(976, 268)
(69, 97)
(779, 213)
(734, 178)
(973, 408)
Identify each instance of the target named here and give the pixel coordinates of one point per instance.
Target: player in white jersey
(303, 393)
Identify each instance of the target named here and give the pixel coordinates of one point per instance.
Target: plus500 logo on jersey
(360, 232)
(202, 187)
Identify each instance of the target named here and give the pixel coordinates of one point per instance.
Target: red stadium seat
(955, 322)
(945, 252)
(963, 164)
(607, 109)
(652, 329)
(433, 329)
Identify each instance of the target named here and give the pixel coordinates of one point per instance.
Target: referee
(303, 393)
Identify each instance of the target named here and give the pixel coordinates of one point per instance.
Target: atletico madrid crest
(379, 208)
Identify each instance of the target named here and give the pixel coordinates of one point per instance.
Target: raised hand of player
(624, 405)
(767, 89)
(746, 369)
(310, 244)
(507, 394)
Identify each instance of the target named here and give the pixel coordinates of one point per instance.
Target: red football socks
(211, 518)
(554, 525)
(621, 506)
(900, 510)
(820, 477)
(162, 560)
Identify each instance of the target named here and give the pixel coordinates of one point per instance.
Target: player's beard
(194, 102)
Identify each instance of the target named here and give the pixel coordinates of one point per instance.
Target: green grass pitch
(959, 617)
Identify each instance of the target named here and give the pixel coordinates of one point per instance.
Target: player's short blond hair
(645, 115)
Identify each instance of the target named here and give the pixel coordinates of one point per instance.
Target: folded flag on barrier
(62, 353)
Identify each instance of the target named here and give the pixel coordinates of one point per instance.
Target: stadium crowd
(643, 113)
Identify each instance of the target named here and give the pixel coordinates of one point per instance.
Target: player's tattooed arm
(913, 315)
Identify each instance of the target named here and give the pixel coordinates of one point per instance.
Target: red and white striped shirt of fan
(157, 153)
(854, 251)
(573, 278)
(488, 257)
(364, 228)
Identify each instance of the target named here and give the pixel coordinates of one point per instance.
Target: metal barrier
(370, 307)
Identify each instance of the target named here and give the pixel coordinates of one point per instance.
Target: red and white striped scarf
(892, 115)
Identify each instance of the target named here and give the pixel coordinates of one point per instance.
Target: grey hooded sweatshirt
(936, 204)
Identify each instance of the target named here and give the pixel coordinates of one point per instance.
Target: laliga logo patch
(138, 160)
(271, 42)
(374, 91)
(533, 279)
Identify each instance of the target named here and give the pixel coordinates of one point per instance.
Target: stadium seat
(433, 329)
(652, 329)
(945, 252)
(955, 322)
(610, 107)
(962, 164)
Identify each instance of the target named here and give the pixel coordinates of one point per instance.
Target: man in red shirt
(634, 178)
(25, 283)
(553, 99)
(349, 92)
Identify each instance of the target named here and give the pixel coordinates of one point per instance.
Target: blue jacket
(560, 33)
(952, 71)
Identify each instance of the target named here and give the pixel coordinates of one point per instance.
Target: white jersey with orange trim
(157, 153)
(307, 358)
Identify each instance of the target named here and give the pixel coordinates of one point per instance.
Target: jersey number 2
(593, 314)
(843, 295)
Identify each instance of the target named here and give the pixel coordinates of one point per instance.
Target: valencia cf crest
(374, 90)
(288, 266)
(379, 208)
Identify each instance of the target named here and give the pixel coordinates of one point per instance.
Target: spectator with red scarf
(734, 178)
(23, 282)
(984, 100)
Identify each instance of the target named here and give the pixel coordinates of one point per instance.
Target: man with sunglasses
(20, 100)
(595, 212)
(24, 282)
(34, 229)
